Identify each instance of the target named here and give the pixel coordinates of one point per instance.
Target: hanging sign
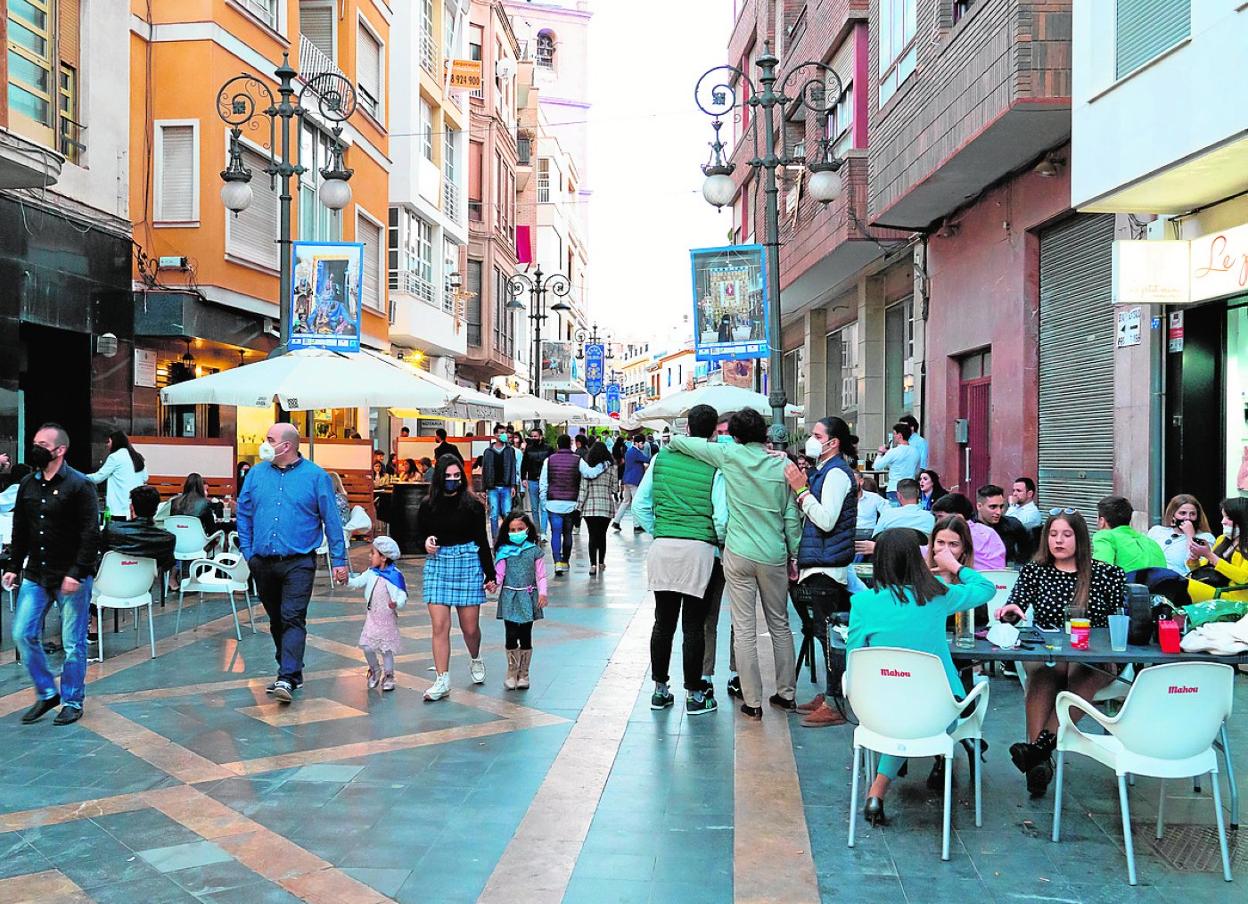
(595, 361)
(613, 399)
(729, 302)
(466, 75)
(325, 295)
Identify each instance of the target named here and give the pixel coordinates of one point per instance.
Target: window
(32, 42)
(316, 23)
(368, 72)
(543, 180)
(448, 31)
(450, 265)
(474, 52)
(897, 49)
(427, 53)
(176, 172)
(252, 234)
(475, 210)
(1144, 29)
(71, 146)
(842, 373)
(411, 255)
(961, 8)
(841, 122)
(546, 50)
(426, 129)
(317, 223)
(450, 187)
(369, 233)
(504, 331)
(472, 306)
(264, 10)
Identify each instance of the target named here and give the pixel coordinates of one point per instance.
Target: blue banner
(325, 285)
(730, 303)
(613, 398)
(595, 364)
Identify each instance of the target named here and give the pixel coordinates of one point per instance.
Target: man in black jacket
(140, 536)
(56, 531)
(990, 510)
(535, 454)
(498, 477)
(445, 448)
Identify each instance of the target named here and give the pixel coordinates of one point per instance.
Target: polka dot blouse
(1050, 591)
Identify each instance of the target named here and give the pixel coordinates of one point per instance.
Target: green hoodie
(1127, 548)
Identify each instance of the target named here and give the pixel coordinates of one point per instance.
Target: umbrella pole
(311, 434)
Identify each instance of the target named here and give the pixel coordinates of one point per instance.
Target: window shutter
(369, 233)
(316, 23)
(253, 233)
(177, 174)
(1146, 28)
(69, 31)
(368, 64)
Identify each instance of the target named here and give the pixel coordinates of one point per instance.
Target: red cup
(1168, 636)
(1079, 638)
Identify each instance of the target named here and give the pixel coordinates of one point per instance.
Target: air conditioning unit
(171, 263)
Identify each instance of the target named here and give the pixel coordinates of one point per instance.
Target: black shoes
(752, 712)
(873, 812)
(616, 525)
(781, 703)
(936, 778)
(1035, 761)
(68, 715)
(734, 687)
(41, 707)
(272, 686)
(1038, 778)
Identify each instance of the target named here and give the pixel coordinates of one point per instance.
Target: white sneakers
(441, 688)
(476, 668)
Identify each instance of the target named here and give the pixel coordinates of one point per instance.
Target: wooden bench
(359, 487)
(215, 487)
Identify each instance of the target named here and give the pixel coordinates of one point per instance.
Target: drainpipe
(1156, 419)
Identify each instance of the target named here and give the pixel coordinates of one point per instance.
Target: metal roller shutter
(1076, 427)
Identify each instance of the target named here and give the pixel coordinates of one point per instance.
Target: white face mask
(814, 448)
(267, 452)
(1228, 528)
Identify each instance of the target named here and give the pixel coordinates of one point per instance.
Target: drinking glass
(1118, 626)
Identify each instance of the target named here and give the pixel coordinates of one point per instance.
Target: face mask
(724, 438)
(502, 437)
(1228, 527)
(267, 452)
(814, 448)
(39, 458)
(518, 538)
(451, 485)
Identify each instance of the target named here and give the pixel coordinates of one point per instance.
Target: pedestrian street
(185, 782)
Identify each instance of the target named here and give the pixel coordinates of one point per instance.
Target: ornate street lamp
(716, 95)
(537, 286)
(241, 103)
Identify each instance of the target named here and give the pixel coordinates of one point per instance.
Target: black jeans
(692, 612)
(284, 584)
(597, 527)
(827, 599)
(519, 635)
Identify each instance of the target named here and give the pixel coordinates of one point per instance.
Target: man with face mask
(498, 477)
(55, 534)
(286, 507)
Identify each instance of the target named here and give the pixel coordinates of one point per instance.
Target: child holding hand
(520, 570)
(385, 592)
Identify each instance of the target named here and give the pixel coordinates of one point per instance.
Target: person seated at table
(138, 536)
(907, 513)
(380, 476)
(988, 545)
(1116, 542)
(341, 499)
(1229, 556)
(870, 503)
(392, 465)
(193, 502)
(409, 472)
(240, 475)
(1182, 522)
(930, 489)
(907, 608)
(1062, 581)
(425, 465)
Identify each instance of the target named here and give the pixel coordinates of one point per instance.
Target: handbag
(1207, 574)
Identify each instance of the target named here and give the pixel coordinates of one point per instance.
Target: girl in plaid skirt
(458, 571)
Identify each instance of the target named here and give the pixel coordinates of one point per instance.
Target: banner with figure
(613, 398)
(326, 278)
(595, 364)
(559, 366)
(730, 303)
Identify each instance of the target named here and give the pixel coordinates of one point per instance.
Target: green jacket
(682, 497)
(1127, 548)
(763, 521)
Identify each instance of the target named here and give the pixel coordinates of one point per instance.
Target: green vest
(681, 491)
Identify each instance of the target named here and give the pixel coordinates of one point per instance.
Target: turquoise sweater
(876, 619)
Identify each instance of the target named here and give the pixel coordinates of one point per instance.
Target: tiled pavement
(184, 782)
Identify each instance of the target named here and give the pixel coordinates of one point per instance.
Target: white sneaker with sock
(476, 668)
(441, 687)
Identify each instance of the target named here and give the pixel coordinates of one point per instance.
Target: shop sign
(729, 303)
(325, 295)
(1181, 272)
(1129, 327)
(466, 75)
(1220, 264)
(1174, 335)
(144, 368)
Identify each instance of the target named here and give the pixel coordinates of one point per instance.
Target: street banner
(613, 398)
(595, 362)
(325, 295)
(729, 303)
(559, 365)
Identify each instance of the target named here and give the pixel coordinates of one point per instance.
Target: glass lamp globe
(236, 195)
(826, 185)
(335, 193)
(719, 190)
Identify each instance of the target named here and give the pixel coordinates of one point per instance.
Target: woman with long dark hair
(459, 568)
(193, 502)
(908, 608)
(930, 488)
(1228, 556)
(1061, 582)
(124, 469)
(596, 503)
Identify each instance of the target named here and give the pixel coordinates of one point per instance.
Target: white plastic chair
(124, 582)
(1166, 729)
(191, 542)
(227, 573)
(162, 512)
(905, 707)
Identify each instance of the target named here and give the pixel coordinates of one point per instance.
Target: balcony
(428, 53)
(314, 62)
(423, 317)
(24, 164)
(450, 200)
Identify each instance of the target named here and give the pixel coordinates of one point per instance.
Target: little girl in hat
(385, 592)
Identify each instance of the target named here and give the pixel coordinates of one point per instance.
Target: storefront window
(842, 386)
(899, 365)
(1236, 392)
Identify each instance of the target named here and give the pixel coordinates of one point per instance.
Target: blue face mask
(451, 485)
(518, 538)
(724, 438)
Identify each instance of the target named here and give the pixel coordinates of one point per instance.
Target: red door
(975, 406)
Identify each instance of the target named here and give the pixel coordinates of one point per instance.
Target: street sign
(613, 398)
(595, 362)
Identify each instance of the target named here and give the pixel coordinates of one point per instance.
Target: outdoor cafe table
(1098, 654)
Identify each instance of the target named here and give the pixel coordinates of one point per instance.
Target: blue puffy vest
(835, 548)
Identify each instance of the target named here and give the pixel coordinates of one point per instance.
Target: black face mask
(39, 458)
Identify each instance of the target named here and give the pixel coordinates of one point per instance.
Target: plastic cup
(1168, 636)
(1118, 627)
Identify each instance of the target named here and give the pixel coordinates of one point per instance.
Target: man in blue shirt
(636, 460)
(901, 461)
(286, 507)
(919, 442)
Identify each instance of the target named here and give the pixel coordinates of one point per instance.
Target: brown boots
(518, 669)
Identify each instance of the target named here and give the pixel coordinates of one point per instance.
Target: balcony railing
(476, 211)
(543, 188)
(313, 61)
(450, 199)
(409, 282)
(524, 150)
(428, 52)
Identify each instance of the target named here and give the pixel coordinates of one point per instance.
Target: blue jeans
(561, 536)
(284, 585)
(500, 507)
(536, 509)
(32, 603)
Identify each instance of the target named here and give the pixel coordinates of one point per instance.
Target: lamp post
(590, 337)
(241, 103)
(819, 94)
(537, 286)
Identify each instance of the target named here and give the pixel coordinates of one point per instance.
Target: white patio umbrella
(723, 398)
(313, 378)
(531, 408)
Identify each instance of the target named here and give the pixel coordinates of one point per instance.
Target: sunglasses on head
(1063, 511)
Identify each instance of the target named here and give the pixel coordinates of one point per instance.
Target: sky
(647, 144)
